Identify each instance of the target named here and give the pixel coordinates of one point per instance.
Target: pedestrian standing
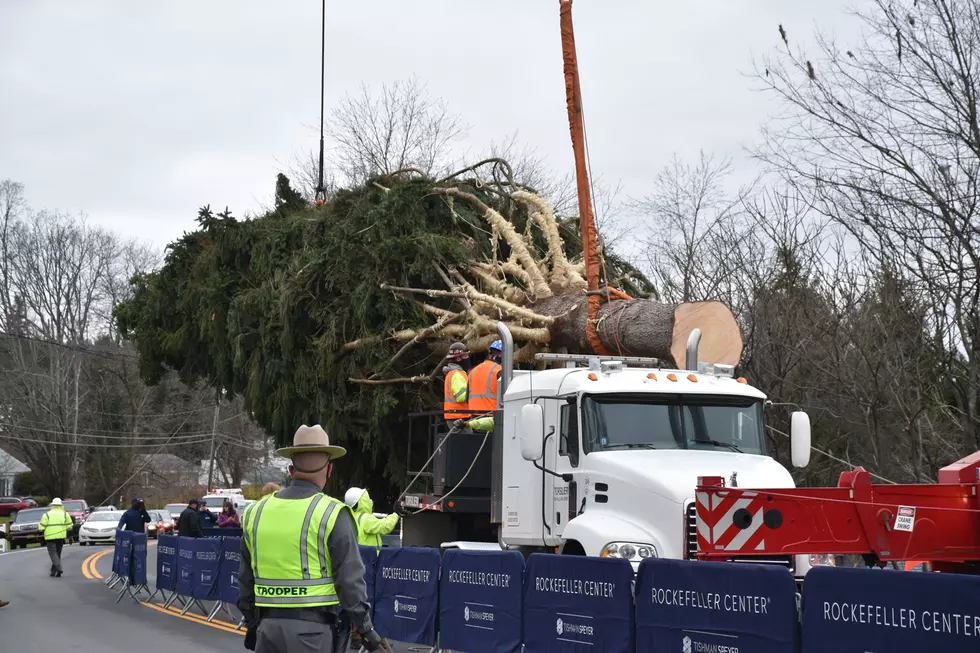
(56, 524)
(189, 523)
(228, 517)
(207, 518)
(136, 518)
(295, 603)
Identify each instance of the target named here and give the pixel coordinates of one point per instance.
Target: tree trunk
(643, 327)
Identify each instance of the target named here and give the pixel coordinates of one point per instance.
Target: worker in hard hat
(483, 389)
(455, 394)
(369, 530)
(56, 524)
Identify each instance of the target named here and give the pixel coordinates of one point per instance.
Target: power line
(832, 457)
(97, 433)
(96, 445)
(105, 352)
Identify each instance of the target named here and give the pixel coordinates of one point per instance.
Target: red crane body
(938, 523)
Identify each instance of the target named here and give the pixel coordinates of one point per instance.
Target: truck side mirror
(799, 439)
(532, 432)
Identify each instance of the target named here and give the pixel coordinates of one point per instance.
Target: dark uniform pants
(54, 552)
(296, 636)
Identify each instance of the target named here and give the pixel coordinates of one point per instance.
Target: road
(77, 612)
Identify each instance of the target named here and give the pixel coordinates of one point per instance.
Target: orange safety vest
(452, 409)
(483, 387)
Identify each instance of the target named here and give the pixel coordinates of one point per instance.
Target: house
(10, 467)
(164, 476)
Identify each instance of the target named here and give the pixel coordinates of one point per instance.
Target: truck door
(565, 495)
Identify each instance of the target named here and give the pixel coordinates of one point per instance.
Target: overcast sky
(138, 113)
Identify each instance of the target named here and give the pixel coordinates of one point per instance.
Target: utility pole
(214, 431)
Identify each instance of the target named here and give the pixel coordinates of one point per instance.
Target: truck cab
(603, 460)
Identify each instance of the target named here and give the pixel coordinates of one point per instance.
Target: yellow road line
(89, 569)
(174, 612)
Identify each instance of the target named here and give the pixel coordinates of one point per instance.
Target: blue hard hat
(496, 344)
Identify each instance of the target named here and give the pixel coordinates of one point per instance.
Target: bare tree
(695, 228)
(400, 127)
(886, 134)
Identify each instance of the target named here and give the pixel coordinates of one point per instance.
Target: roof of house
(10, 465)
(164, 462)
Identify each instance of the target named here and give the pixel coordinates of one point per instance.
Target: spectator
(136, 518)
(228, 517)
(189, 522)
(208, 520)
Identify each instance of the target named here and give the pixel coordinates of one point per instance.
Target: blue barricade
(858, 610)
(137, 574)
(406, 595)
(481, 600)
(167, 563)
(686, 605)
(228, 566)
(207, 553)
(117, 553)
(369, 556)
(125, 553)
(185, 566)
(575, 603)
(221, 532)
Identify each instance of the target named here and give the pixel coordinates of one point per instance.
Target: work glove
(459, 424)
(371, 640)
(251, 637)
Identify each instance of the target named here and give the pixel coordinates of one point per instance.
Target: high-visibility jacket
(483, 387)
(56, 524)
(287, 543)
(455, 394)
(371, 528)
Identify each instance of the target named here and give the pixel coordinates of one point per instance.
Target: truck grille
(691, 539)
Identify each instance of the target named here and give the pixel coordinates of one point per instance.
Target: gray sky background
(139, 113)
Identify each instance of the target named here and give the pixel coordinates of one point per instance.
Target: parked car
(161, 523)
(104, 509)
(78, 509)
(25, 528)
(10, 505)
(100, 527)
(175, 509)
(31, 501)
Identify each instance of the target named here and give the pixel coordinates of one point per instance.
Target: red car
(78, 509)
(10, 505)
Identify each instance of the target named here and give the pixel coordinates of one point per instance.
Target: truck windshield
(620, 422)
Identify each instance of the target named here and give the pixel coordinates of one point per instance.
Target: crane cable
(320, 195)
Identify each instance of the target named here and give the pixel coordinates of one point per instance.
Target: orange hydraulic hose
(573, 97)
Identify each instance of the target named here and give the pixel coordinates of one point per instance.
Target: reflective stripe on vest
(451, 408)
(483, 387)
(367, 539)
(56, 530)
(287, 543)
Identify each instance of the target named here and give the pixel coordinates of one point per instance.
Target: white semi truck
(600, 456)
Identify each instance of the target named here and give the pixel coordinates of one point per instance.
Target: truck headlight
(628, 550)
(822, 560)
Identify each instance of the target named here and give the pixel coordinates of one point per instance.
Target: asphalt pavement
(78, 612)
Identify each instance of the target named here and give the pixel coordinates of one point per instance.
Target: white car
(100, 527)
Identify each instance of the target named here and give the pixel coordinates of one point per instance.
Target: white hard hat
(56, 501)
(353, 496)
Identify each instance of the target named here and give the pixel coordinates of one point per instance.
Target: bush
(28, 484)
(42, 500)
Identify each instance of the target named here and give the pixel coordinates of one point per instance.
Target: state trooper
(305, 602)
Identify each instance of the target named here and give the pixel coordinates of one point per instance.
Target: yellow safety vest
(287, 543)
(56, 524)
